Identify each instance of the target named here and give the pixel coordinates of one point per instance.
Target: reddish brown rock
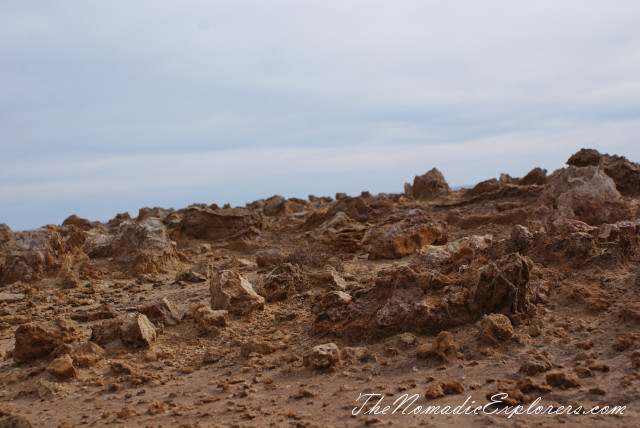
(207, 319)
(80, 223)
(144, 247)
(625, 174)
(269, 257)
(322, 356)
(106, 331)
(67, 277)
(161, 311)
(536, 176)
(444, 346)
(137, 331)
(35, 340)
(32, 255)
(339, 233)
(63, 367)
(430, 185)
(563, 380)
(495, 328)
(402, 234)
(221, 223)
(283, 281)
(232, 292)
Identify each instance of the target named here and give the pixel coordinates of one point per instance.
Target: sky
(107, 107)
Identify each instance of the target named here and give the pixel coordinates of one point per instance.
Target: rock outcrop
(429, 186)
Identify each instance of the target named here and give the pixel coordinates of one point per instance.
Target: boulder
(625, 174)
(63, 367)
(586, 194)
(232, 292)
(207, 319)
(138, 331)
(429, 186)
(33, 255)
(274, 206)
(536, 176)
(106, 331)
(35, 340)
(79, 222)
(221, 223)
(401, 234)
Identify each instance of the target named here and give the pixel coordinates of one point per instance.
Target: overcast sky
(107, 107)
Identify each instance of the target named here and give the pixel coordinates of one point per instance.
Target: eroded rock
(232, 292)
(35, 340)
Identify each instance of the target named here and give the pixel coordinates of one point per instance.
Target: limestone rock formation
(430, 185)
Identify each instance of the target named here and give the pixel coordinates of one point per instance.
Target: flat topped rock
(11, 297)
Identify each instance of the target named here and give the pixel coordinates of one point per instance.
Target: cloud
(157, 102)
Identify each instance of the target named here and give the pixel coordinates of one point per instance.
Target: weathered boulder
(625, 174)
(67, 277)
(144, 247)
(221, 223)
(340, 233)
(106, 331)
(322, 356)
(35, 340)
(232, 292)
(495, 328)
(207, 319)
(536, 176)
(161, 311)
(430, 185)
(269, 257)
(587, 194)
(137, 331)
(274, 206)
(503, 286)
(283, 281)
(401, 234)
(33, 255)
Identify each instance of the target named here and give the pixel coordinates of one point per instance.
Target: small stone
(563, 380)
(495, 328)
(434, 390)
(453, 387)
(322, 356)
(583, 372)
(231, 291)
(127, 412)
(624, 342)
(63, 367)
(444, 346)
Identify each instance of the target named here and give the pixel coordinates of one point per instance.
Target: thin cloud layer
(109, 108)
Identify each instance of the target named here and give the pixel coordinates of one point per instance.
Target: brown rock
(38, 339)
(354, 354)
(535, 363)
(445, 347)
(401, 235)
(259, 347)
(137, 331)
(339, 233)
(281, 282)
(232, 292)
(267, 258)
(434, 390)
(106, 331)
(33, 255)
(63, 367)
(453, 387)
(563, 380)
(536, 176)
(587, 194)
(495, 328)
(79, 222)
(625, 174)
(161, 311)
(15, 421)
(221, 223)
(429, 186)
(95, 313)
(624, 342)
(86, 354)
(322, 356)
(274, 206)
(207, 319)
(6, 235)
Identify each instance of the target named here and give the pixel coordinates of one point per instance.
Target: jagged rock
(98, 244)
(67, 277)
(503, 286)
(445, 347)
(269, 257)
(354, 354)
(563, 380)
(207, 319)
(63, 367)
(625, 174)
(340, 233)
(587, 194)
(6, 235)
(274, 206)
(144, 247)
(401, 235)
(281, 282)
(434, 390)
(190, 276)
(429, 186)
(161, 311)
(225, 223)
(106, 331)
(536, 176)
(232, 292)
(329, 278)
(535, 363)
(495, 328)
(137, 331)
(161, 213)
(35, 340)
(95, 313)
(80, 223)
(356, 209)
(322, 356)
(33, 255)
(86, 354)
